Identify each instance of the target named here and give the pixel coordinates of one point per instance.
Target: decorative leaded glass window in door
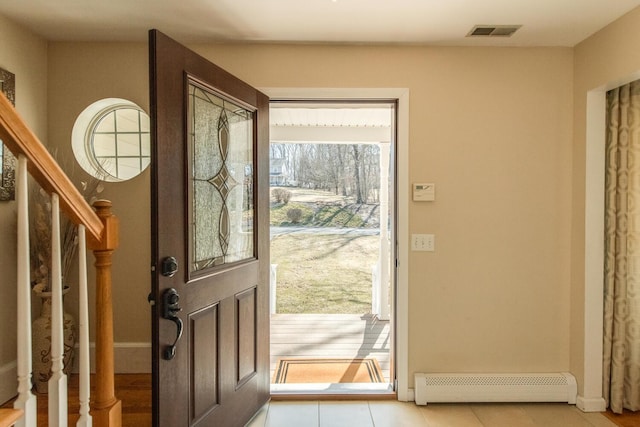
(221, 135)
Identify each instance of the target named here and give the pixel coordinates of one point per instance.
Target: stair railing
(102, 229)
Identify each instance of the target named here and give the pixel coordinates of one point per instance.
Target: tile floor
(405, 414)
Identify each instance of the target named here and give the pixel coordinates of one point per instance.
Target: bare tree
(355, 151)
(347, 169)
(371, 172)
(342, 167)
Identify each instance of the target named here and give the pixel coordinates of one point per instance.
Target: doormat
(296, 371)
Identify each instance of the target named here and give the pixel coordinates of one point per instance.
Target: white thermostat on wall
(424, 192)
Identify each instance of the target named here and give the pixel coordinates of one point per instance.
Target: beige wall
(81, 74)
(605, 60)
(25, 55)
(490, 126)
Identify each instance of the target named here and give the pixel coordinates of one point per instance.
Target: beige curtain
(622, 250)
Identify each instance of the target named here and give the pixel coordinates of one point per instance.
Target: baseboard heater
(547, 387)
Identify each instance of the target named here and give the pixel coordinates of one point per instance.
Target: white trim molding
(597, 404)
(129, 358)
(401, 309)
(594, 247)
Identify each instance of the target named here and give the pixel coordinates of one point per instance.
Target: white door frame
(401, 309)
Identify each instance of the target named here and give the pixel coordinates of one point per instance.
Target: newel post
(106, 408)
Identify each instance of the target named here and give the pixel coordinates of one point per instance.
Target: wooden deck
(330, 336)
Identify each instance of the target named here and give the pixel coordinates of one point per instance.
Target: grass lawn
(324, 273)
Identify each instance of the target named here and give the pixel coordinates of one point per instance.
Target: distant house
(278, 174)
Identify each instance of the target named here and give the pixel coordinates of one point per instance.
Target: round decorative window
(111, 140)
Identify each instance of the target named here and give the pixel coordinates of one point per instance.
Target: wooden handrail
(42, 166)
(8, 417)
(102, 235)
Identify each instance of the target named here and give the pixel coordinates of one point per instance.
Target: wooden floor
(626, 419)
(330, 336)
(133, 389)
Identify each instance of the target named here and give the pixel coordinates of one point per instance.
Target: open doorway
(332, 224)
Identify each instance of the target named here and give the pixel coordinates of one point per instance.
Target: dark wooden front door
(210, 241)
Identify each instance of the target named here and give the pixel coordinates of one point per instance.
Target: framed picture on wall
(7, 159)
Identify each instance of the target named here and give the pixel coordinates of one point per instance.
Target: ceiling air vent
(493, 30)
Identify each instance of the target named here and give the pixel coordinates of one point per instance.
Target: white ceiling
(435, 22)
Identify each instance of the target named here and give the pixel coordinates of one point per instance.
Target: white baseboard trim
(407, 395)
(597, 404)
(129, 358)
(8, 381)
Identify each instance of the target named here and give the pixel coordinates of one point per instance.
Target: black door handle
(170, 309)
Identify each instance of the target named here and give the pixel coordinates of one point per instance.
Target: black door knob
(169, 266)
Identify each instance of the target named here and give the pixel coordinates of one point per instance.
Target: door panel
(246, 334)
(209, 165)
(204, 347)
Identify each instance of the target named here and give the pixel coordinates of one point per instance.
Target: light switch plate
(423, 242)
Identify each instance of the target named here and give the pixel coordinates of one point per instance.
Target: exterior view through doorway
(332, 216)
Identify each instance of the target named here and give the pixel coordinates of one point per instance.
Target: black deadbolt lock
(169, 266)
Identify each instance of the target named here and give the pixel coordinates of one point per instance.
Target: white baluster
(85, 419)
(58, 381)
(26, 400)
